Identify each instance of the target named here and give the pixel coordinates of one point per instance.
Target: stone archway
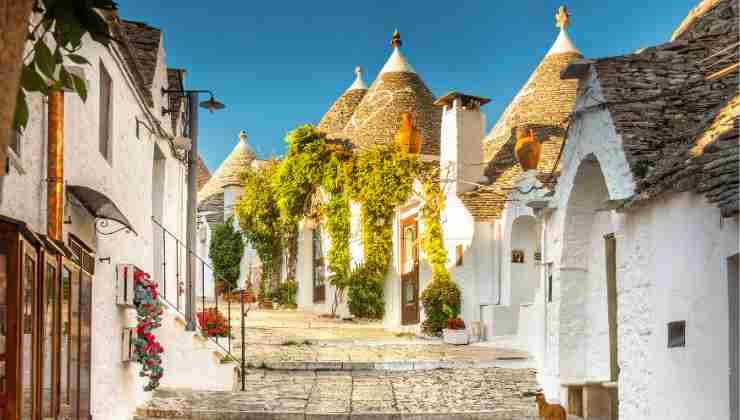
(587, 332)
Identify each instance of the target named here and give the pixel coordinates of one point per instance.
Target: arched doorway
(588, 355)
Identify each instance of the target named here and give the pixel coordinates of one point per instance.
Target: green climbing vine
(441, 298)
(319, 178)
(259, 218)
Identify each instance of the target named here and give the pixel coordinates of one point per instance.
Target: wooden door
(319, 270)
(9, 325)
(610, 245)
(49, 337)
(70, 273)
(409, 254)
(733, 288)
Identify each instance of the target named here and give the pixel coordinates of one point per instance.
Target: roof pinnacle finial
(358, 83)
(243, 136)
(562, 18)
(396, 39)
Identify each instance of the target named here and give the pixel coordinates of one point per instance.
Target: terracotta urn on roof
(527, 148)
(408, 136)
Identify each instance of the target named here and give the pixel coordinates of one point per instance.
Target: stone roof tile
(543, 103)
(667, 105)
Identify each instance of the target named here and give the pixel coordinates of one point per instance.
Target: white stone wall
(127, 180)
(671, 266)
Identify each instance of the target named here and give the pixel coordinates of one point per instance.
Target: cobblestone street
(294, 340)
(439, 394)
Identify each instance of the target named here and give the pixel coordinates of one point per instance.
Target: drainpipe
(55, 167)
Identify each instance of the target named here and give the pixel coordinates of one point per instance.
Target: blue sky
(278, 64)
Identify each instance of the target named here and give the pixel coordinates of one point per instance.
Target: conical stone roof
(341, 111)
(543, 104)
(229, 173)
(397, 89)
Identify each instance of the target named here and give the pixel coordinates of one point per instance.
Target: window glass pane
(408, 293)
(64, 347)
(85, 343)
(74, 348)
(409, 238)
(29, 279)
(48, 337)
(318, 259)
(3, 318)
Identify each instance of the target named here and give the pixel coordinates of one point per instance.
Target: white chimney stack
(461, 148)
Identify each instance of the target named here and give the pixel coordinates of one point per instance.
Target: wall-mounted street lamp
(189, 142)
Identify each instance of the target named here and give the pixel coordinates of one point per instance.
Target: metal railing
(176, 252)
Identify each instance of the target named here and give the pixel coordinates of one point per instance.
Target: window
(459, 255)
(549, 282)
(319, 290)
(106, 114)
(677, 334)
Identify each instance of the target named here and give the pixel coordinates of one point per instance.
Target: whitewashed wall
(127, 180)
(671, 266)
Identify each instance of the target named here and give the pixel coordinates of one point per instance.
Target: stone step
(220, 415)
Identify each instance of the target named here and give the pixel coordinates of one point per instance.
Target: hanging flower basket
(149, 310)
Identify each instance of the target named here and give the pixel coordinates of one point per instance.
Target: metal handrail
(176, 306)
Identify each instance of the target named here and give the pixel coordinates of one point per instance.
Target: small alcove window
(677, 334)
(459, 255)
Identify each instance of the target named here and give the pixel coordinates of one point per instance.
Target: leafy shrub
(441, 300)
(366, 294)
(226, 250)
(286, 293)
(455, 323)
(213, 323)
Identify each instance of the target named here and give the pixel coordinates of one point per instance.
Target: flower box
(457, 337)
(127, 344)
(125, 284)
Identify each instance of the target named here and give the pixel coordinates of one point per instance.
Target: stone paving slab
(375, 357)
(440, 394)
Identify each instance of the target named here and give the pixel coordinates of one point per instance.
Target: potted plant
(266, 300)
(455, 333)
(213, 323)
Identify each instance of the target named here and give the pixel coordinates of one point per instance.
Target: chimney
(461, 149)
(55, 167)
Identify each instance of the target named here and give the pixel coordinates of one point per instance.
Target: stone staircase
(191, 360)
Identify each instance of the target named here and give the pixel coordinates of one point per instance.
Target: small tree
(227, 248)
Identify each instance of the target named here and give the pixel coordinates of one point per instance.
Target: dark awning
(99, 205)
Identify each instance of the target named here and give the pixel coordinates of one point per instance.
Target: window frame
(105, 130)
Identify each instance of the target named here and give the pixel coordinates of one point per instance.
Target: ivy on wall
(259, 218)
(379, 178)
(441, 298)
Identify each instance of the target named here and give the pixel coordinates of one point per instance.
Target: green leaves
(32, 81)
(44, 59)
(64, 23)
(20, 118)
(79, 86)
